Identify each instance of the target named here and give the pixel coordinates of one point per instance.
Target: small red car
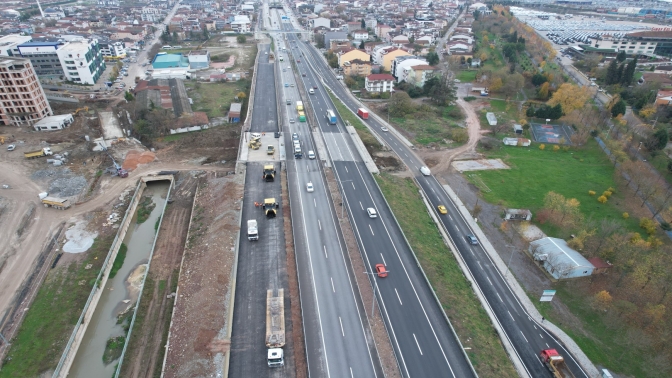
(380, 269)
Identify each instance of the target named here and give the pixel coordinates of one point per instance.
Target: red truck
(363, 113)
(555, 363)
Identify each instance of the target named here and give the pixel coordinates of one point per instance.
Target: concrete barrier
(359, 145)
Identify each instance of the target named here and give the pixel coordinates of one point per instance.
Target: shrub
(648, 225)
(626, 215)
(556, 148)
(469, 98)
(591, 192)
(542, 146)
(666, 226)
(602, 199)
(606, 193)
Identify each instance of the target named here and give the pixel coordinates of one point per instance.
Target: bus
(302, 117)
(331, 117)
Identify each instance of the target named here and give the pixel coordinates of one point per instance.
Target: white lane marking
(383, 258)
(315, 202)
(341, 321)
(398, 297)
(433, 190)
(325, 251)
(319, 224)
(353, 185)
(332, 285)
(500, 298)
(360, 205)
(548, 346)
(371, 230)
(417, 343)
(351, 374)
(479, 264)
(521, 332)
(346, 169)
(489, 280)
(540, 335)
(511, 316)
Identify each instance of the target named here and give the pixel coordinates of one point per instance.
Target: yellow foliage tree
(591, 192)
(603, 300)
(602, 199)
(486, 39)
(483, 57)
(542, 146)
(544, 90)
(496, 84)
(648, 111)
(556, 148)
(626, 215)
(570, 97)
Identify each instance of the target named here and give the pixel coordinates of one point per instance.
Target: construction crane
(119, 171)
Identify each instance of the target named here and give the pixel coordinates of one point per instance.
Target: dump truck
(275, 327)
(270, 207)
(269, 173)
(255, 143)
(55, 202)
(270, 150)
(299, 106)
(363, 113)
(556, 363)
(252, 230)
(46, 151)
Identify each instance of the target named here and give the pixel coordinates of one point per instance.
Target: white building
(57, 122)
(82, 61)
(559, 260)
(361, 35)
(241, 24)
(53, 14)
(379, 83)
(9, 44)
(371, 23)
(402, 66)
(321, 22)
(199, 59)
(113, 49)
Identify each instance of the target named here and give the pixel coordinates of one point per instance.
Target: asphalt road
(423, 340)
(337, 334)
(262, 264)
(527, 337)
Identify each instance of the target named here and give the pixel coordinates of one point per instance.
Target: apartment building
(379, 83)
(112, 49)
(241, 24)
(357, 67)
(9, 44)
(43, 57)
(22, 99)
(82, 61)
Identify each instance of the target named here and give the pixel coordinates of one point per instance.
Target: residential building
(53, 13)
(401, 65)
(379, 83)
(328, 36)
(321, 22)
(352, 55)
(22, 99)
(353, 25)
(9, 44)
(390, 56)
(82, 61)
(339, 44)
(419, 74)
(43, 57)
(115, 50)
(241, 24)
(357, 67)
(361, 35)
(199, 59)
(382, 30)
(371, 23)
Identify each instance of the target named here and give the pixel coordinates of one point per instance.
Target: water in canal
(103, 326)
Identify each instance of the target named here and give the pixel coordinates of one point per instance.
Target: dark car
(472, 240)
(303, 74)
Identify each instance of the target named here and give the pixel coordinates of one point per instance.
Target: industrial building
(559, 260)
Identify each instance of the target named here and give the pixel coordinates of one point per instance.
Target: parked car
(11, 147)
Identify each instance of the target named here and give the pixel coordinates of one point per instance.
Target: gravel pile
(67, 186)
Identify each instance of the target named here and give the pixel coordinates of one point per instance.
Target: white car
(11, 147)
(372, 212)
(385, 128)
(291, 120)
(425, 171)
(311, 154)
(309, 187)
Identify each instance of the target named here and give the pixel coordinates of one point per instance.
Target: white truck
(252, 230)
(275, 328)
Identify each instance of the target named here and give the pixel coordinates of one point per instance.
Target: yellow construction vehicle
(270, 150)
(255, 143)
(270, 207)
(269, 173)
(86, 109)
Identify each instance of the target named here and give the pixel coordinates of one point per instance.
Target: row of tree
(622, 74)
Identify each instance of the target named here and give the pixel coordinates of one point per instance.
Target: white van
(311, 91)
(311, 154)
(167, 48)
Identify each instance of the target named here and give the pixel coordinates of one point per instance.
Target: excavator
(121, 172)
(85, 109)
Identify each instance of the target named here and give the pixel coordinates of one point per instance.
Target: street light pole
(343, 195)
(508, 266)
(373, 301)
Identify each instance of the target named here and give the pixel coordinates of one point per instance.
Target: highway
(424, 343)
(337, 334)
(527, 337)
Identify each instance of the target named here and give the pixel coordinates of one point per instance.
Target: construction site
(67, 199)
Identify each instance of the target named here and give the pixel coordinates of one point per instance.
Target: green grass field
(215, 98)
(461, 305)
(431, 127)
(466, 76)
(51, 318)
(535, 172)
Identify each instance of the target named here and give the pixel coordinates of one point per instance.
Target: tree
(411, 39)
(206, 34)
(647, 111)
(400, 104)
(443, 92)
(350, 82)
(477, 15)
(603, 300)
(629, 73)
(432, 58)
(128, 96)
(658, 140)
(618, 108)
(620, 57)
(570, 96)
(319, 40)
(363, 24)
(513, 84)
(496, 84)
(175, 37)
(361, 45)
(619, 73)
(543, 91)
(538, 79)
(241, 39)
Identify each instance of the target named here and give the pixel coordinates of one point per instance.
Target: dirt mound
(135, 158)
